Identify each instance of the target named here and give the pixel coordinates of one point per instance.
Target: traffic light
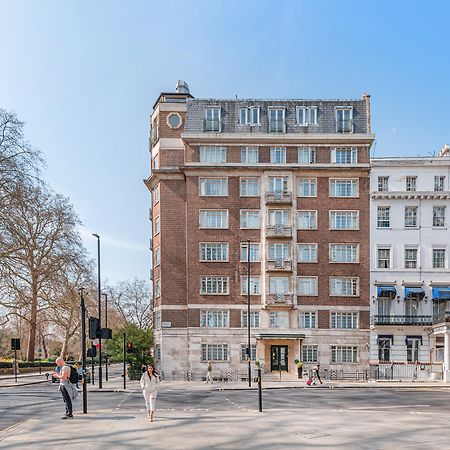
(130, 348)
(94, 328)
(92, 352)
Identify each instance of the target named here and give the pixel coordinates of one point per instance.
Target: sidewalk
(23, 380)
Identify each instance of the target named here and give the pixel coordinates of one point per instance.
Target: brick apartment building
(290, 176)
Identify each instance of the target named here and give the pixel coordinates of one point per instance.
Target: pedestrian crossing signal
(130, 348)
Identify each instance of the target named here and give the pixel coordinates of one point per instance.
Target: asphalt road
(20, 403)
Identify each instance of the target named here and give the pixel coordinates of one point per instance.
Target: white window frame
(311, 249)
(310, 184)
(406, 248)
(377, 256)
(203, 188)
(253, 245)
(285, 285)
(203, 250)
(352, 151)
(306, 153)
(254, 319)
(332, 218)
(215, 352)
(248, 114)
(212, 154)
(224, 280)
(243, 183)
(383, 183)
(156, 194)
(337, 354)
(158, 288)
(433, 260)
(312, 217)
(205, 211)
(214, 318)
(307, 318)
(337, 187)
(250, 149)
(213, 117)
(304, 114)
(157, 256)
(410, 183)
(313, 282)
(411, 220)
(333, 247)
(281, 110)
(383, 218)
(340, 124)
(255, 285)
(278, 155)
(435, 208)
(274, 247)
(340, 320)
(279, 319)
(354, 286)
(274, 214)
(245, 213)
(310, 353)
(439, 183)
(157, 226)
(244, 352)
(282, 181)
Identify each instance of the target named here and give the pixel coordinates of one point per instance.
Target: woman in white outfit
(149, 385)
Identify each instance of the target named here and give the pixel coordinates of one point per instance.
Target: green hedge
(8, 364)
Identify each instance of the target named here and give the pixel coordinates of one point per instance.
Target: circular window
(174, 120)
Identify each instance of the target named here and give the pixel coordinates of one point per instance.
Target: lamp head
(96, 235)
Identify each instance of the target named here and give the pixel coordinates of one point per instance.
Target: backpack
(73, 378)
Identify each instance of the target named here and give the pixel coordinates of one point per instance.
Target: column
(447, 356)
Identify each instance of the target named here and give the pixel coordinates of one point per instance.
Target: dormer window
(213, 119)
(306, 115)
(249, 116)
(276, 120)
(344, 120)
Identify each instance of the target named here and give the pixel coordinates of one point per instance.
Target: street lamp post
(248, 317)
(99, 314)
(106, 326)
(83, 349)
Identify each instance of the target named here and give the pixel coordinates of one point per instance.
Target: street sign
(166, 325)
(15, 344)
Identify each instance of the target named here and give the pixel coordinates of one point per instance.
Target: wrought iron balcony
(279, 198)
(212, 125)
(278, 231)
(277, 126)
(280, 300)
(279, 265)
(402, 320)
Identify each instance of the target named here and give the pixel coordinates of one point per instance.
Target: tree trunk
(33, 320)
(65, 345)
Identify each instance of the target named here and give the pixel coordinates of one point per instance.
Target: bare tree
(39, 229)
(132, 299)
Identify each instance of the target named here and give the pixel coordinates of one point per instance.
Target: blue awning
(386, 291)
(441, 293)
(416, 292)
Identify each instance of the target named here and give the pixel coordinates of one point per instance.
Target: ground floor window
(309, 353)
(214, 352)
(412, 348)
(384, 349)
(244, 352)
(344, 354)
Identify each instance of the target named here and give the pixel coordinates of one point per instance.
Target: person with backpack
(68, 377)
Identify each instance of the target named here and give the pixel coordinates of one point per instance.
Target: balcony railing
(279, 197)
(279, 264)
(277, 126)
(402, 320)
(212, 125)
(280, 300)
(278, 231)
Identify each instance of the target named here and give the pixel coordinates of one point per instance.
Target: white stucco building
(410, 278)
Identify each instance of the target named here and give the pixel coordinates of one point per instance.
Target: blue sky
(84, 75)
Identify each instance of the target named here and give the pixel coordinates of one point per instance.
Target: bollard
(259, 390)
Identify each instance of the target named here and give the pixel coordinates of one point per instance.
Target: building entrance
(279, 358)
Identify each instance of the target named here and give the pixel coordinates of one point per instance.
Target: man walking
(208, 373)
(68, 390)
(316, 375)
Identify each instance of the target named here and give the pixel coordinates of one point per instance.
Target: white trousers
(150, 400)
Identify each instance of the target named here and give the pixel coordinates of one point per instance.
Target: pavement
(194, 415)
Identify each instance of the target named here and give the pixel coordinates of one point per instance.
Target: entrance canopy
(279, 336)
(441, 293)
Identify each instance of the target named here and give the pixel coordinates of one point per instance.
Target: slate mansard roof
(326, 117)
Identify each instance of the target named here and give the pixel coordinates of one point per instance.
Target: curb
(23, 384)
